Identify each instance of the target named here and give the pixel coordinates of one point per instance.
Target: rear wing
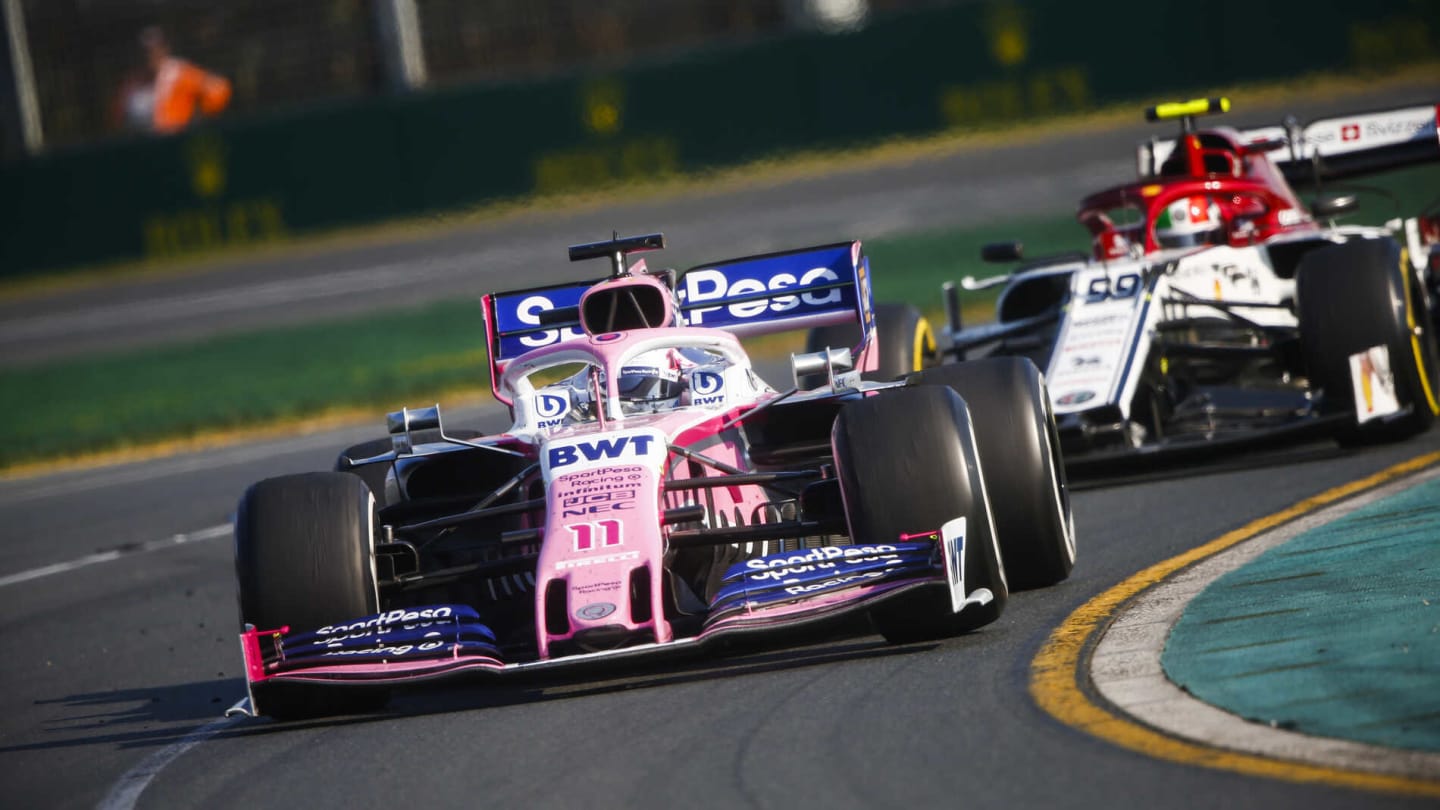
(1333, 148)
(755, 295)
(518, 321)
(777, 292)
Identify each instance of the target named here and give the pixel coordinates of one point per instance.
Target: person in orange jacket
(179, 90)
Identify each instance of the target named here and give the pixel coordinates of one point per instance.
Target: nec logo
(713, 285)
(596, 503)
(599, 449)
(1350, 132)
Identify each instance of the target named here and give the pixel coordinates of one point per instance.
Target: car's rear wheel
(906, 341)
(303, 557)
(907, 464)
(1024, 473)
(1355, 296)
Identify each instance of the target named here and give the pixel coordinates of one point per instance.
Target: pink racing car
(654, 494)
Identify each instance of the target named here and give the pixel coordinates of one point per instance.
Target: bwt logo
(549, 406)
(714, 285)
(707, 388)
(600, 449)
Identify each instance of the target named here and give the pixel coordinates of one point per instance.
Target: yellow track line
(1055, 672)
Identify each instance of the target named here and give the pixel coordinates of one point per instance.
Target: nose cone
(606, 637)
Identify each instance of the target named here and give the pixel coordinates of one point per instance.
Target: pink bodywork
(595, 553)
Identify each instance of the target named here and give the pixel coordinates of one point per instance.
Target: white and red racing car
(654, 493)
(1215, 309)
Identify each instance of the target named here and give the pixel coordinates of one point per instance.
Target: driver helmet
(651, 382)
(648, 382)
(1189, 221)
(655, 381)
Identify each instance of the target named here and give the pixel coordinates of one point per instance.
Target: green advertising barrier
(238, 182)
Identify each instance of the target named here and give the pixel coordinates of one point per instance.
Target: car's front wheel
(1024, 473)
(303, 559)
(907, 465)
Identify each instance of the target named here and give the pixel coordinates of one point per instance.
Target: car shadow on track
(479, 693)
(164, 714)
(1157, 470)
(169, 714)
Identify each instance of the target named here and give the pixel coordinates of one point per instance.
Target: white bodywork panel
(1115, 307)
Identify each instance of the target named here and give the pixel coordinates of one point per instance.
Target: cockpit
(654, 371)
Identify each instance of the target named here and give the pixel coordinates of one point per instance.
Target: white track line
(127, 790)
(114, 554)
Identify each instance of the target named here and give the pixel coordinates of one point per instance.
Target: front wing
(789, 590)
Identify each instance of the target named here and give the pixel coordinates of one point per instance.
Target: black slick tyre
(303, 558)
(906, 462)
(1020, 454)
(1354, 296)
(906, 341)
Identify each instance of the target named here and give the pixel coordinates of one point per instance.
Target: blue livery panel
(775, 292)
(412, 632)
(515, 319)
(788, 576)
(780, 291)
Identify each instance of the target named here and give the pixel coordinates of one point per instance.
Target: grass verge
(377, 363)
(348, 370)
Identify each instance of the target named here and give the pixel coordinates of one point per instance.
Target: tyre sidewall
(907, 464)
(1351, 297)
(1019, 450)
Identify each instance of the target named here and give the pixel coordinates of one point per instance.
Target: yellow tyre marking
(1055, 672)
(1414, 338)
(924, 343)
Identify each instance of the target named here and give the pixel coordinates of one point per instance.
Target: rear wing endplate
(516, 322)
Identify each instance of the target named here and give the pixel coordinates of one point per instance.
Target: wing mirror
(1335, 205)
(827, 362)
(1002, 252)
(404, 424)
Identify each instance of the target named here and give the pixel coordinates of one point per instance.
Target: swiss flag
(1350, 132)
